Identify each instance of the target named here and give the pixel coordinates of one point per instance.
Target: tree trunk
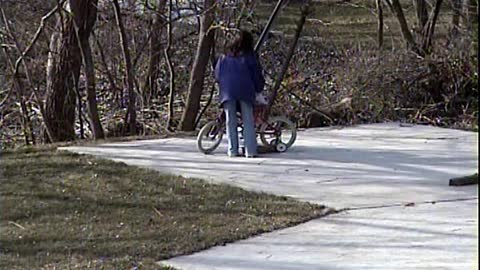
(63, 68)
(421, 14)
(457, 11)
(89, 68)
(195, 87)
(171, 71)
(380, 23)
(150, 86)
(131, 109)
(407, 35)
(20, 95)
(80, 110)
(212, 90)
(267, 27)
(430, 28)
(306, 10)
(95, 123)
(468, 11)
(63, 59)
(21, 59)
(113, 86)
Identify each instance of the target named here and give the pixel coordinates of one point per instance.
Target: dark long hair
(242, 43)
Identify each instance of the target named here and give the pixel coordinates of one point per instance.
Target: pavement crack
(405, 204)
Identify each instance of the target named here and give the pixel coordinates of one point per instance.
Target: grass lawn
(348, 22)
(61, 210)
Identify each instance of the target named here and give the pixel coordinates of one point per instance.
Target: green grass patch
(61, 210)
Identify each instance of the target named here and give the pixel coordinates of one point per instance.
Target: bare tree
(195, 87)
(20, 96)
(380, 23)
(421, 14)
(103, 60)
(21, 60)
(171, 71)
(430, 27)
(306, 10)
(457, 11)
(155, 43)
(131, 115)
(468, 13)
(89, 67)
(63, 68)
(407, 35)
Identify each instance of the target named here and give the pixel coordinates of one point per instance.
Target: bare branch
(36, 36)
(27, 73)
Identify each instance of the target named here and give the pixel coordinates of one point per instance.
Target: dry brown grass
(67, 211)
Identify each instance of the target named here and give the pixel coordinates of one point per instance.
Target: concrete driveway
(392, 179)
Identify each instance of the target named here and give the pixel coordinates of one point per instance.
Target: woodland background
(95, 69)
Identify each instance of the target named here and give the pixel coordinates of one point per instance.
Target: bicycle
(277, 132)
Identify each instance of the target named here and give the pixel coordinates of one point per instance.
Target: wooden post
(463, 181)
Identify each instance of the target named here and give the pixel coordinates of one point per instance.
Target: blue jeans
(249, 136)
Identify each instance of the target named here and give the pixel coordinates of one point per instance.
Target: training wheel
(281, 147)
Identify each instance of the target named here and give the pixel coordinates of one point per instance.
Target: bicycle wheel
(210, 137)
(277, 130)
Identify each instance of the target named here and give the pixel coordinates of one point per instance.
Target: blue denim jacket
(240, 77)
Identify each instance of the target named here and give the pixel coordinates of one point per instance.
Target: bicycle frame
(259, 118)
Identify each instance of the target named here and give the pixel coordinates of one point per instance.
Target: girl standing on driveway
(240, 77)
